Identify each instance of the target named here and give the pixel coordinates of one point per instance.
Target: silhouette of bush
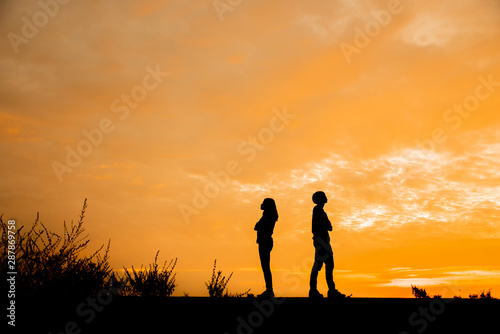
(217, 286)
(419, 293)
(483, 295)
(151, 281)
(486, 296)
(51, 265)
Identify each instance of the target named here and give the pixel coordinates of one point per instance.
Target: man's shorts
(323, 250)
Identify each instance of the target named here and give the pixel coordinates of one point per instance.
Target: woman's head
(269, 207)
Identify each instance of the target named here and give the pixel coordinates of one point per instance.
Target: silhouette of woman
(265, 228)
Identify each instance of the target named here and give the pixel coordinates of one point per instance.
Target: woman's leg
(265, 262)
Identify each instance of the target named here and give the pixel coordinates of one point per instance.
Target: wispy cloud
(394, 189)
(354, 137)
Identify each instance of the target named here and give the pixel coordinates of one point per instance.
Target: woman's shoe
(268, 294)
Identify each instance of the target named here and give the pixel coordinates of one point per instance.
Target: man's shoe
(335, 294)
(314, 294)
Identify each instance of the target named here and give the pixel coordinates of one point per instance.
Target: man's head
(319, 197)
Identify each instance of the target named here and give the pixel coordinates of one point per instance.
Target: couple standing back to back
(321, 241)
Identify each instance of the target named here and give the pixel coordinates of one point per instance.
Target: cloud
(450, 25)
(429, 31)
(441, 277)
(406, 282)
(398, 188)
(354, 135)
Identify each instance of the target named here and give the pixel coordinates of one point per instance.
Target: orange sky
(390, 108)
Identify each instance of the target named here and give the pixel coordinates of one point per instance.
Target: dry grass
(482, 295)
(52, 265)
(217, 286)
(151, 281)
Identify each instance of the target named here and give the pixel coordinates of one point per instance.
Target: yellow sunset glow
(177, 118)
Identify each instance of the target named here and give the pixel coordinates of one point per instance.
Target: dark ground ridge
(249, 315)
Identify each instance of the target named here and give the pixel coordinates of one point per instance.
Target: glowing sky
(187, 114)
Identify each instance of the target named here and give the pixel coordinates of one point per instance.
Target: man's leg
(332, 290)
(318, 264)
(313, 282)
(329, 273)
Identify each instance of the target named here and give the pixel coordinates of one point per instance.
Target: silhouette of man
(323, 250)
(265, 228)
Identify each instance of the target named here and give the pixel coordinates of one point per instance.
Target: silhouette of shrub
(419, 293)
(483, 295)
(51, 265)
(217, 286)
(486, 295)
(151, 281)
